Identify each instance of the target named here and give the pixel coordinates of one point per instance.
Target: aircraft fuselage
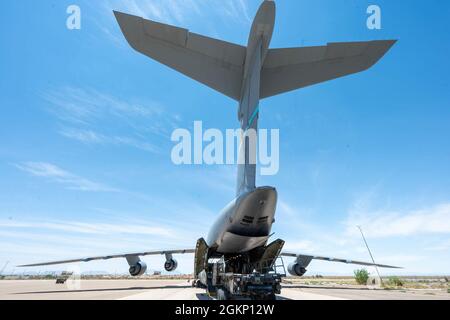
(246, 223)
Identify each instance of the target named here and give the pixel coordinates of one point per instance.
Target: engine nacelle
(138, 269)
(171, 265)
(296, 269)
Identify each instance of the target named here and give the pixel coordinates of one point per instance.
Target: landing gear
(198, 284)
(248, 276)
(222, 295)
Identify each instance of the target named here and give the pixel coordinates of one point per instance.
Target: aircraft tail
(248, 74)
(293, 68)
(215, 63)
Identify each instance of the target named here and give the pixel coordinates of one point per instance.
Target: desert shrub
(361, 276)
(396, 282)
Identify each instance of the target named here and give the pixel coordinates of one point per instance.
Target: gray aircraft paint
(257, 47)
(245, 74)
(231, 233)
(258, 72)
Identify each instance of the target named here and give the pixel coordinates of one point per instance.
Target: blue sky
(85, 146)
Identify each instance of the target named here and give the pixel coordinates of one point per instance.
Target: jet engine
(138, 269)
(171, 265)
(296, 269)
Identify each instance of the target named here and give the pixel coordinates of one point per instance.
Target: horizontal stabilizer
(215, 63)
(294, 68)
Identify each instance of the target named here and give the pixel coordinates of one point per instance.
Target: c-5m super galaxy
(239, 238)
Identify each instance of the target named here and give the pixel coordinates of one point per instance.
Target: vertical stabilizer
(257, 48)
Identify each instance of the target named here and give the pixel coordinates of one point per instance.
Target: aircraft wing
(139, 254)
(215, 63)
(293, 68)
(305, 260)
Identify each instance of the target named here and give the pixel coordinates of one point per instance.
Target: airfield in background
(330, 288)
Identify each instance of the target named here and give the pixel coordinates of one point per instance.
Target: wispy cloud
(441, 246)
(91, 137)
(182, 13)
(397, 236)
(178, 11)
(31, 240)
(390, 223)
(86, 105)
(236, 9)
(56, 174)
(83, 113)
(304, 246)
(85, 136)
(92, 228)
(287, 209)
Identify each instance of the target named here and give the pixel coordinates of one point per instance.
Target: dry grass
(103, 277)
(425, 283)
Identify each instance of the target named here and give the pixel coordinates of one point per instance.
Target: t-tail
(248, 74)
(257, 48)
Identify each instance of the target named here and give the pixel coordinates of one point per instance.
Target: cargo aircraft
(245, 74)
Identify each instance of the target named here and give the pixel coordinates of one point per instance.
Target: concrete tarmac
(182, 290)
